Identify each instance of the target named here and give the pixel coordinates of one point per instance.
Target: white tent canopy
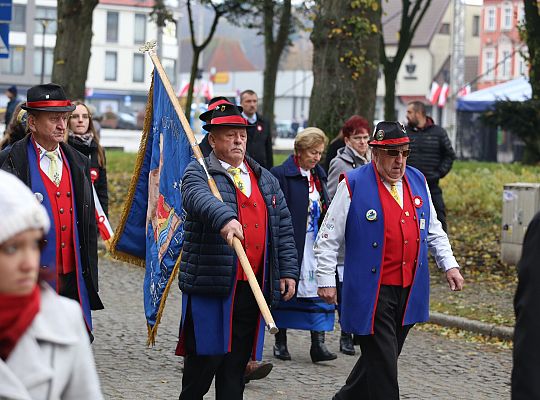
(517, 89)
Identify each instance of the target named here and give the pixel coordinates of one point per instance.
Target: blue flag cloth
(151, 228)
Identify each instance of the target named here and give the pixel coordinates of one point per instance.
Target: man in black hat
(221, 327)
(11, 94)
(383, 219)
(60, 178)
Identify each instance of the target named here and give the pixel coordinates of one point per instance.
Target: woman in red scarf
(44, 348)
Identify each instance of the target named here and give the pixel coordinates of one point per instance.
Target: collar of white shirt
(42, 151)
(243, 167)
(251, 119)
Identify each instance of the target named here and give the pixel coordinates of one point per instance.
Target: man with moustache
(383, 221)
(60, 178)
(221, 326)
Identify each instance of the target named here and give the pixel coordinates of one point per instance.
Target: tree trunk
(532, 36)
(273, 50)
(73, 41)
(192, 77)
(390, 77)
(346, 44)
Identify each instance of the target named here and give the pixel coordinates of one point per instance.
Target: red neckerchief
(314, 182)
(16, 316)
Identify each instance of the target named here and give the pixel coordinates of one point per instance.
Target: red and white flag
(104, 227)
(434, 93)
(443, 96)
(464, 91)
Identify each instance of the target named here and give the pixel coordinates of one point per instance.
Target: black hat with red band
(48, 97)
(226, 115)
(212, 104)
(389, 134)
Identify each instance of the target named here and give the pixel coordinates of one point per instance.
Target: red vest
(252, 216)
(401, 237)
(62, 210)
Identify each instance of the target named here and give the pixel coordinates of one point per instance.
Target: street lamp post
(44, 24)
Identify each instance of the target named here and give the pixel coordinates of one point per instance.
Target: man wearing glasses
(383, 221)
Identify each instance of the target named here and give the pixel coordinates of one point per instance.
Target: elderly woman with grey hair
(303, 182)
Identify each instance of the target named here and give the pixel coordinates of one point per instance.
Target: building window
(110, 65)
(169, 65)
(521, 65)
(48, 13)
(476, 25)
(18, 22)
(521, 14)
(49, 56)
(112, 26)
(490, 19)
(505, 66)
(139, 34)
(444, 29)
(507, 17)
(489, 64)
(138, 67)
(14, 65)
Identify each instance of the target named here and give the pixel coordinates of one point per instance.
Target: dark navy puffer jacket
(208, 264)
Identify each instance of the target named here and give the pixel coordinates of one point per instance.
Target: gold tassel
(118, 255)
(152, 332)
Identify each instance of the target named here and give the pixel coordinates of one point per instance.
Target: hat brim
(207, 115)
(377, 143)
(209, 127)
(50, 109)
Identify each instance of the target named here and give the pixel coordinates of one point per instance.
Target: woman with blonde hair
(83, 137)
(303, 182)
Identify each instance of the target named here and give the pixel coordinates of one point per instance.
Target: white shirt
(329, 246)
(251, 119)
(244, 175)
(45, 162)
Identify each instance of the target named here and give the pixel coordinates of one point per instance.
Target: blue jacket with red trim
(365, 247)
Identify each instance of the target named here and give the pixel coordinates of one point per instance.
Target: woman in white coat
(44, 347)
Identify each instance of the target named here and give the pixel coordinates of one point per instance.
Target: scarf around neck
(85, 139)
(16, 315)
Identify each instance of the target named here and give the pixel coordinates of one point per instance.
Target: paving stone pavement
(430, 367)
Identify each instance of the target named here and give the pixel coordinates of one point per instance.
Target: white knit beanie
(19, 208)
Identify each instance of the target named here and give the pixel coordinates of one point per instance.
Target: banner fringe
(118, 255)
(152, 331)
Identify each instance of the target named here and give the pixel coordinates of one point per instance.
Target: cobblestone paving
(431, 367)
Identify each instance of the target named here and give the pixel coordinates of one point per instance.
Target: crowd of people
(353, 236)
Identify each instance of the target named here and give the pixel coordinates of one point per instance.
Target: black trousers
(375, 375)
(438, 203)
(228, 369)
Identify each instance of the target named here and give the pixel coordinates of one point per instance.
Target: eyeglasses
(77, 116)
(395, 153)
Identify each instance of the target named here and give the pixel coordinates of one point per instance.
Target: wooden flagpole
(149, 48)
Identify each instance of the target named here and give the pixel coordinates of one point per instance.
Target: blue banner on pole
(6, 11)
(151, 230)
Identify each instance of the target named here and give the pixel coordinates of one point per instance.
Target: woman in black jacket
(82, 136)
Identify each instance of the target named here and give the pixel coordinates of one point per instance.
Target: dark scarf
(16, 315)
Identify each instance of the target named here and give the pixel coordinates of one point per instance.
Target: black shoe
(346, 345)
(318, 351)
(255, 370)
(280, 348)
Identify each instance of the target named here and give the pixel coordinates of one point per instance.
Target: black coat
(100, 183)
(431, 152)
(208, 265)
(525, 382)
(259, 143)
(15, 160)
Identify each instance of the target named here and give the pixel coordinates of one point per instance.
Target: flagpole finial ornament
(149, 46)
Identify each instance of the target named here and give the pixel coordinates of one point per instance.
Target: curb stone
(484, 328)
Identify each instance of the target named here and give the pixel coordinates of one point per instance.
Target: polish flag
(464, 91)
(104, 227)
(443, 95)
(434, 93)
